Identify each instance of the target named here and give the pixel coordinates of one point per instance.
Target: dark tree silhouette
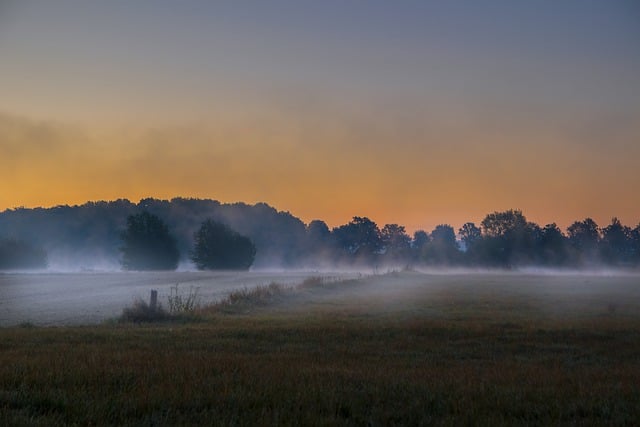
(318, 231)
(584, 239)
(359, 239)
(508, 239)
(420, 238)
(502, 224)
(396, 242)
(218, 247)
(418, 243)
(147, 244)
(471, 238)
(635, 244)
(469, 234)
(443, 248)
(320, 248)
(552, 245)
(616, 244)
(18, 255)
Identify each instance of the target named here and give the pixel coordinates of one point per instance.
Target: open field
(54, 299)
(396, 349)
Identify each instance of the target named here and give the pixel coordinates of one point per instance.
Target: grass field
(397, 349)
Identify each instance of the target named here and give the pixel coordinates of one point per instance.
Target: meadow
(403, 348)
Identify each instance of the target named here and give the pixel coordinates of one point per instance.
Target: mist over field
(49, 298)
(62, 298)
(90, 236)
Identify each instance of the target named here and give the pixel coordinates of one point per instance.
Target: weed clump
(260, 295)
(180, 304)
(142, 312)
(182, 307)
(313, 282)
(244, 299)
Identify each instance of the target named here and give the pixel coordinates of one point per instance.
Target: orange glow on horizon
(331, 175)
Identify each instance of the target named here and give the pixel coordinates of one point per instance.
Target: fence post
(153, 302)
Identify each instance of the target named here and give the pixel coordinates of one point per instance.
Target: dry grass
(248, 300)
(242, 300)
(331, 367)
(141, 312)
(183, 307)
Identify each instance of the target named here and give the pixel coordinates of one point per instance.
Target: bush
(142, 312)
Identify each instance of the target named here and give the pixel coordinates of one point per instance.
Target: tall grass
(245, 300)
(182, 307)
(141, 311)
(321, 371)
(180, 303)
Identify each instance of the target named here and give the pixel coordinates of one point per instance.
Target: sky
(409, 112)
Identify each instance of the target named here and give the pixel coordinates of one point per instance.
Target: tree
(147, 244)
(552, 245)
(469, 234)
(418, 244)
(218, 247)
(500, 224)
(635, 244)
(617, 246)
(508, 239)
(16, 254)
(443, 248)
(318, 236)
(471, 238)
(319, 246)
(396, 242)
(584, 238)
(359, 239)
(420, 238)
(318, 231)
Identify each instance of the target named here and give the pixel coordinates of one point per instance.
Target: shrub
(183, 304)
(142, 312)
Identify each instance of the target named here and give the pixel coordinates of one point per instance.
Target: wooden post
(153, 302)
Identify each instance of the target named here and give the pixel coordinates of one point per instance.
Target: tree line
(269, 238)
(503, 240)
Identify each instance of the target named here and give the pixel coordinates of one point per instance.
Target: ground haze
(55, 299)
